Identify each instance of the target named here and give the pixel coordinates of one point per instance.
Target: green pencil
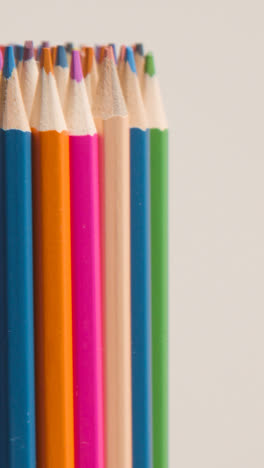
(159, 261)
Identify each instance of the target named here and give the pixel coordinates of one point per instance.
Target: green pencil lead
(150, 65)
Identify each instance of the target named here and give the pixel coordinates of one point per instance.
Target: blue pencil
(3, 320)
(140, 267)
(18, 428)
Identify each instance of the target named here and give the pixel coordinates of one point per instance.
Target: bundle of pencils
(83, 258)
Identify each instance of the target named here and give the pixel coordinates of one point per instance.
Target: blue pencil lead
(9, 62)
(129, 57)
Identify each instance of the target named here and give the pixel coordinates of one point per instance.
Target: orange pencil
(52, 274)
(53, 54)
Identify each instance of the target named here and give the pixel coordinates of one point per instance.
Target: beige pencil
(113, 127)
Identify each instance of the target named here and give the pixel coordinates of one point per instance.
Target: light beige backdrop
(209, 56)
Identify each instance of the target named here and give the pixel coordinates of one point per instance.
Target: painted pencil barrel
(159, 285)
(53, 301)
(141, 298)
(18, 270)
(86, 300)
(3, 318)
(117, 320)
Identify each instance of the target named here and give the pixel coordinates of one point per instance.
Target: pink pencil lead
(76, 66)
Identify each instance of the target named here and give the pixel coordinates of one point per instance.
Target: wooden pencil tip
(139, 48)
(150, 65)
(53, 54)
(114, 51)
(45, 60)
(88, 60)
(19, 52)
(129, 57)
(68, 47)
(97, 52)
(28, 50)
(29, 44)
(38, 53)
(61, 57)
(9, 62)
(1, 60)
(2, 47)
(102, 53)
(45, 44)
(108, 53)
(76, 66)
(122, 53)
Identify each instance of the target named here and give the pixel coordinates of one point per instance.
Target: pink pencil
(86, 273)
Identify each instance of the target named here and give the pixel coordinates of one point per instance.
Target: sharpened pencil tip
(76, 66)
(88, 60)
(28, 50)
(9, 62)
(53, 54)
(68, 47)
(38, 53)
(61, 57)
(19, 52)
(45, 60)
(1, 60)
(102, 53)
(108, 53)
(150, 65)
(97, 52)
(129, 57)
(29, 44)
(122, 53)
(139, 48)
(45, 44)
(114, 51)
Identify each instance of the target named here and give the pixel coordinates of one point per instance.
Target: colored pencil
(29, 77)
(140, 266)
(53, 54)
(140, 63)
(100, 60)
(38, 53)
(2, 48)
(45, 44)
(52, 270)
(97, 52)
(121, 62)
(3, 320)
(1, 67)
(90, 73)
(19, 52)
(159, 260)
(17, 422)
(68, 48)
(112, 124)
(61, 72)
(114, 51)
(86, 273)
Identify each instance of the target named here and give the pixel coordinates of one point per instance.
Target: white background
(209, 56)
